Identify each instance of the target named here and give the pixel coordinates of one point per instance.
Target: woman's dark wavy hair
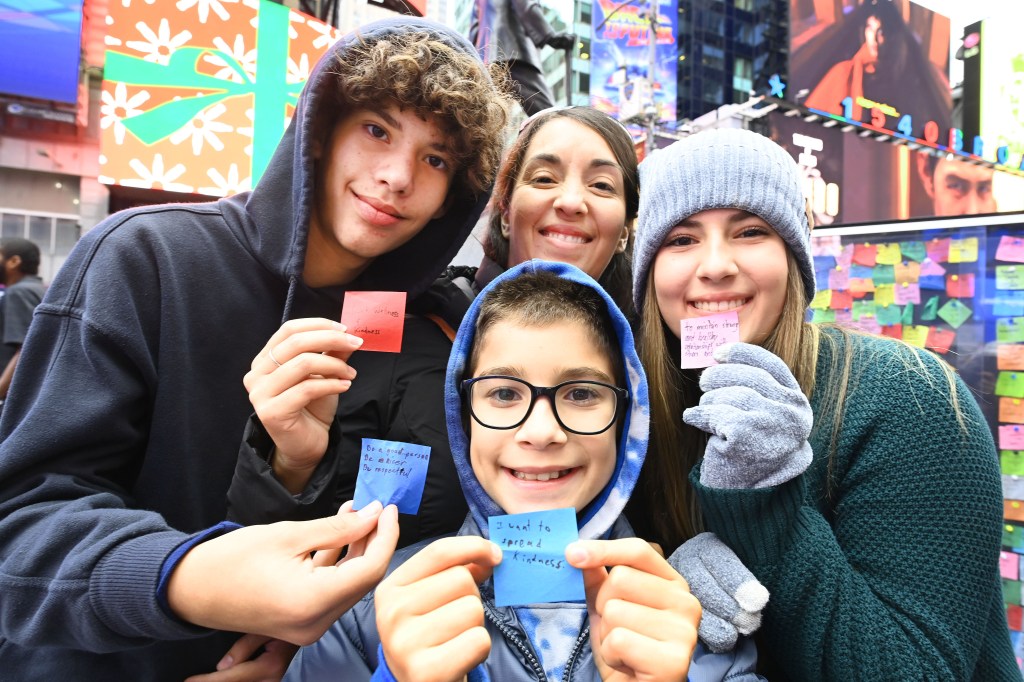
(617, 279)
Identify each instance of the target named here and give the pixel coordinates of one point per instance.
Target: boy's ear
(926, 179)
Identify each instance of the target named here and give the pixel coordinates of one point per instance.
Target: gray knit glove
(729, 594)
(758, 418)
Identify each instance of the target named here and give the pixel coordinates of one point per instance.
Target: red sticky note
(865, 254)
(960, 286)
(841, 300)
(939, 340)
(377, 317)
(893, 330)
(1010, 249)
(938, 249)
(1013, 616)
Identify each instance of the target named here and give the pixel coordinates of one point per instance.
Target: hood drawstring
(293, 283)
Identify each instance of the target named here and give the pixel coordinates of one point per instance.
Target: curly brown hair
(415, 70)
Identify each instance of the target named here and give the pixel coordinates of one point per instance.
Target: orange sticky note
(377, 317)
(1013, 510)
(865, 254)
(1011, 410)
(1010, 356)
(939, 340)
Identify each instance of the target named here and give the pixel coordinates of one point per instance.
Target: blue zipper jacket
(350, 649)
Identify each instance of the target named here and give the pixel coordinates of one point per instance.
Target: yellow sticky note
(963, 250)
(888, 254)
(822, 300)
(915, 334)
(885, 294)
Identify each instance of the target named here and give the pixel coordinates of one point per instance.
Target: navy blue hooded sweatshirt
(120, 435)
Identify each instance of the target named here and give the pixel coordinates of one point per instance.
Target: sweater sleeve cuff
(125, 588)
(756, 523)
(172, 561)
(256, 496)
(383, 672)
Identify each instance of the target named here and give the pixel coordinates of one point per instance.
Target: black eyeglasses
(586, 408)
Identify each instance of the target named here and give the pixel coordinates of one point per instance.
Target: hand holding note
(643, 619)
(293, 386)
(393, 473)
(429, 614)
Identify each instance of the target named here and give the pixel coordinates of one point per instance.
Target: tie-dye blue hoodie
(543, 641)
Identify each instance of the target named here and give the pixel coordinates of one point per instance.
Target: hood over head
(277, 212)
(597, 518)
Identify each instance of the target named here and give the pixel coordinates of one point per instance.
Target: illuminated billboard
(621, 59)
(880, 62)
(196, 96)
(40, 45)
(854, 179)
(1001, 90)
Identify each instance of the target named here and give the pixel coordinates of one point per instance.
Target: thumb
(336, 531)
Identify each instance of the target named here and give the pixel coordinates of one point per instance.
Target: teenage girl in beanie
(877, 531)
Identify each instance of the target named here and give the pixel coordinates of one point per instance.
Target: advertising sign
(620, 64)
(884, 63)
(1001, 92)
(40, 44)
(196, 96)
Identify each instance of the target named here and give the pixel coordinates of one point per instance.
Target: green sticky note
(821, 316)
(883, 274)
(1010, 277)
(1010, 329)
(930, 309)
(1011, 591)
(1011, 462)
(913, 250)
(863, 309)
(1013, 536)
(888, 314)
(955, 313)
(1010, 384)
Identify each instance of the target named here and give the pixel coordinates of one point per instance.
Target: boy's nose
(396, 171)
(541, 428)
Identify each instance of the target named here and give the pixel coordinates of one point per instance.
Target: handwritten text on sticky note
(700, 336)
(533, 568)
(393, 473)
(377, 317)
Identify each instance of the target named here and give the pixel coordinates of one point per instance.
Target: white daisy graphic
(156, 177)
(226, 186)
(247, 59)
(117, 107)
(327, 35)
(205, 6)
(203, 129)
(247, 131)
(298, 73)
(159, 46)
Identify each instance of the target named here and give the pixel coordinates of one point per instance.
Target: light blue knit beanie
(720, 168)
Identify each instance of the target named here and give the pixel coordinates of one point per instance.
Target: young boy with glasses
(547, 408)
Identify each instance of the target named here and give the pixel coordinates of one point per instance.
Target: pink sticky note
(700, 336)
(907, 293)
(1011, 437)
(938, 249)
(1009, 565)
(377, 317)
(930, 267)
(960, 286)
(1010, 249)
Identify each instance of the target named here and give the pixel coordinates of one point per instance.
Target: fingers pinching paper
(393, 473)
(700, 336)
(533, 568)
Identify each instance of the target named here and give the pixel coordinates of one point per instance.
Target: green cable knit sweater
(893, 573)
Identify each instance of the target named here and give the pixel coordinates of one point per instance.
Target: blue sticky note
(861, 272)
(533, 568)
(393, 473)
(1008, 304)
